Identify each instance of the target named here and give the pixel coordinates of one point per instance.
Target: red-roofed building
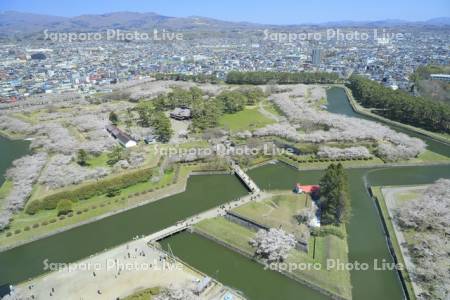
(310, 189)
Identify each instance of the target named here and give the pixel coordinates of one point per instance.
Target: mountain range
(13, 22)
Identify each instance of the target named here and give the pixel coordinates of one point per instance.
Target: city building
(316, 57)
(443, 77)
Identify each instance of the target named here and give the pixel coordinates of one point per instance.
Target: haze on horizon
(266, 12)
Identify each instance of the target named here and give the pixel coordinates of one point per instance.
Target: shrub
(112, 192)
(8, 234)
(45, 223)
(36, 225)
(155, 291)
(52, 220)
(33, 207)
(64, 207)
(17, 231)
(26, 228)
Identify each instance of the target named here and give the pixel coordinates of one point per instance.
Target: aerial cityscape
(272, 150)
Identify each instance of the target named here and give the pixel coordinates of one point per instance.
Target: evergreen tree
(233, 101)
(82, 157)
(115, 155)
(114, 118)
(334, 196)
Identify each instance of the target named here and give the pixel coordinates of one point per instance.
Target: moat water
(9, 151)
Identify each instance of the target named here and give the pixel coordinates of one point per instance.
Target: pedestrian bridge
(166, 232)
(251, 185)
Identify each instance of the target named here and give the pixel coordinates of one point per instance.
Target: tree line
(200, 78)
(265, 77)
(334, 196)
(400, 106)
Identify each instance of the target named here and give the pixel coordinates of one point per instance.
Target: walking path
(267, 113)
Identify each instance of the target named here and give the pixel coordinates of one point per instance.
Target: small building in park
(181, 113)
(308, 189)
(123, 138)
(151, 139)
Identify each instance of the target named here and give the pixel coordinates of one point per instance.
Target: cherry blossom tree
(274, 244)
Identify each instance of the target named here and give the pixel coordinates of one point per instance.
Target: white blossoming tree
(273, 245)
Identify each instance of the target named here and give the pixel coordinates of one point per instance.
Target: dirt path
(267, 113)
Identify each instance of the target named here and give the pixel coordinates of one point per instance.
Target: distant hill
(12, 22)
(389, 23)
(17, 22)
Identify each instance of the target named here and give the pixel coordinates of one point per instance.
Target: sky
(262, 11)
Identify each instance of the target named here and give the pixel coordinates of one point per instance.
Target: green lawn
(98, 161)
(199, 144)
(4, 190)
(249, 118)
(333, 280)
(229, 232)
(75, 133)
(272, 108)
(278, 211)
(146, 294)
(430, 156)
